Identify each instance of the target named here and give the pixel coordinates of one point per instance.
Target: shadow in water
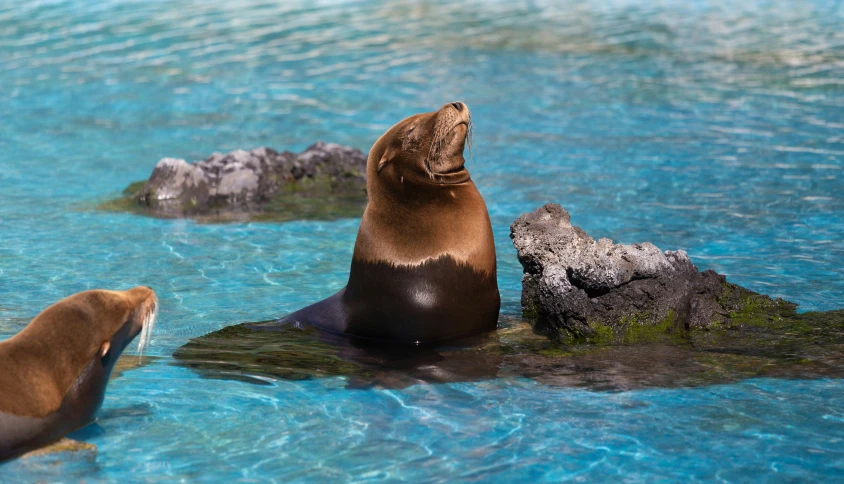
(809, 346)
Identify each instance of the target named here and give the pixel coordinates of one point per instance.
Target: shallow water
(703, 126)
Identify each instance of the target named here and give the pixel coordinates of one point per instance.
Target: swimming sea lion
(423, 267)
(55, 371)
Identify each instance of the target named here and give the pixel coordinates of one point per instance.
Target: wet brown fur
(423, 268)
(422, 202)
(42, 362)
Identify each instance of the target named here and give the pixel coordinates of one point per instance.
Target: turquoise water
(704, 126)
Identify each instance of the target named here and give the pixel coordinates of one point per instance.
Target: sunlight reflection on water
(707, 126)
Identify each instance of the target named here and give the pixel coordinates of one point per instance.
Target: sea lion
(423, 268)
(56, 369)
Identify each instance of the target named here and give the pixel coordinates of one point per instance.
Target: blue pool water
(710, 127)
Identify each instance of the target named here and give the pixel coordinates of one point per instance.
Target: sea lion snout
(451, 131)
(453, 114)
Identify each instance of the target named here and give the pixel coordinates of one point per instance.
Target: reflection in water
(807, 345)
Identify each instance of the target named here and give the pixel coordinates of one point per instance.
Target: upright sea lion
(423, 267)
(55, 371)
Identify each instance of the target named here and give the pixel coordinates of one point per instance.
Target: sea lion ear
(388, 155)
(104, 348)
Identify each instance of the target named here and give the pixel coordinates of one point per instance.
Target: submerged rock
(578, 287)
(63, 446)
(809, 345)
(325, 181)
(128, 362)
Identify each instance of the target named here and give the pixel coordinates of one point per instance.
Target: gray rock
(574, 285)
(243, 180)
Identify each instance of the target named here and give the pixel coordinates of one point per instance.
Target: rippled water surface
(716, 128)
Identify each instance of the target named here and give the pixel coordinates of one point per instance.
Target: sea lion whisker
(470, 129)
(146, 329)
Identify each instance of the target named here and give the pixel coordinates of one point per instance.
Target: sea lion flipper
(329, 314)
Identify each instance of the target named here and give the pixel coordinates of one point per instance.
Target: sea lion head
(121, 316)
(71, 348)
(97, 322)
(423, 149)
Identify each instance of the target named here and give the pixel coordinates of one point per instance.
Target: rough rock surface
(576, 286)
(243, 179)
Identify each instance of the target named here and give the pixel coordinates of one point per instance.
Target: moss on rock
(316, 198)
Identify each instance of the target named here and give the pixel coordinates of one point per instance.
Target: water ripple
(709, 126)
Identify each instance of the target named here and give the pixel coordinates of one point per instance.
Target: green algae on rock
(648, 357)
(324, 182)
(251, 353)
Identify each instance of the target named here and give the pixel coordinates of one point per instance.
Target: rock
(804, 345)
(578, 287)
(128, 362)
(63, 445)
(243, 182)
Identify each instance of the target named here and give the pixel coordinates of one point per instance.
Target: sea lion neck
(47, 380)
(439, 193)
(409, 231)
